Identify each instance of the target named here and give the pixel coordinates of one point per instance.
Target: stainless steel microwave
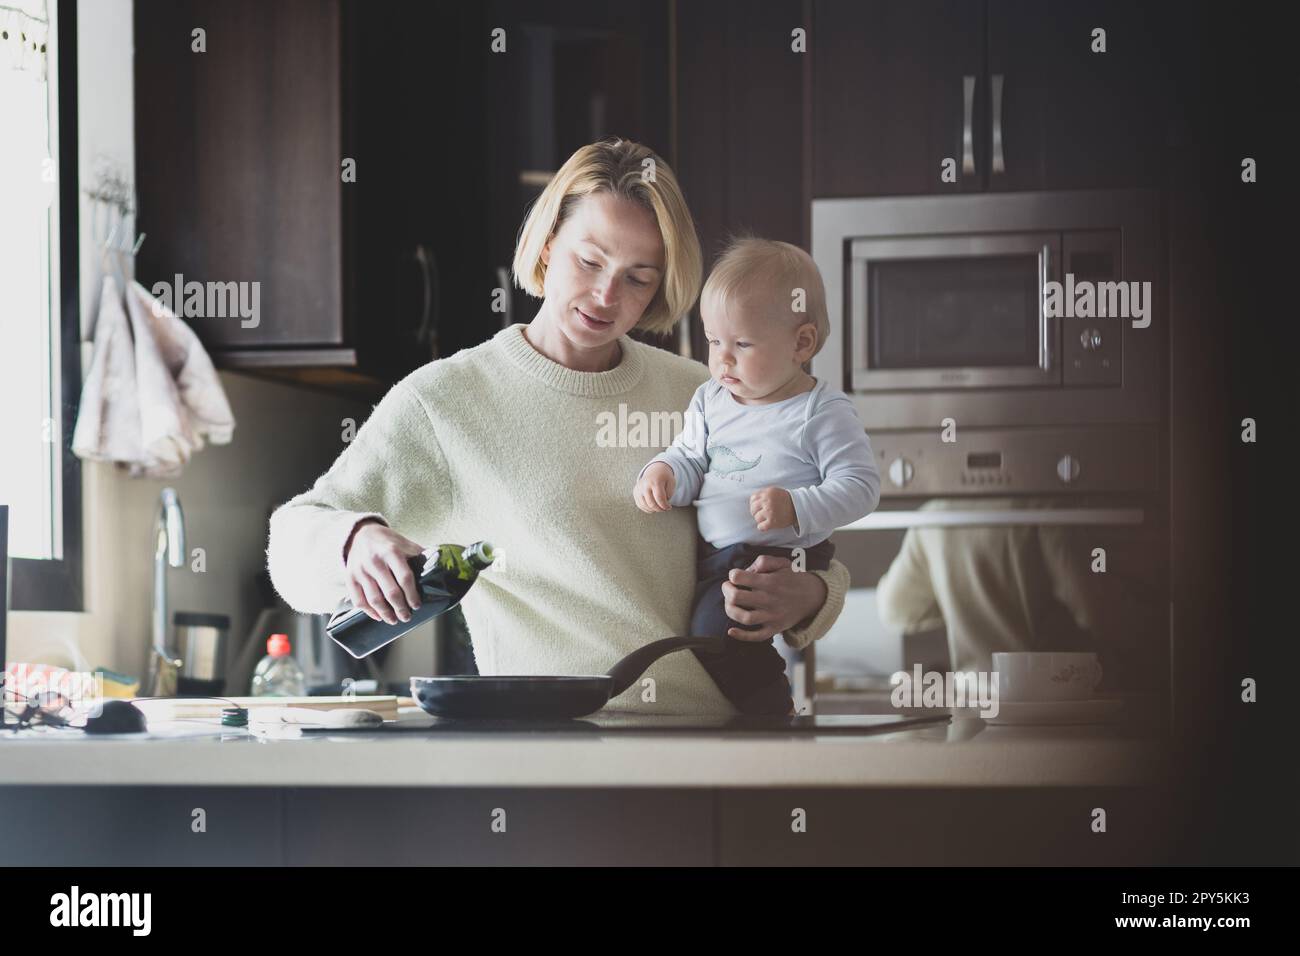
(997, 310)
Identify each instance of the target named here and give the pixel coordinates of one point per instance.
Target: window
(40, 370)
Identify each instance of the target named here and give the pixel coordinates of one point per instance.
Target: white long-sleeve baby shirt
(813, 445)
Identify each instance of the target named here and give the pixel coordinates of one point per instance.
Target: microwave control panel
(1091, 345)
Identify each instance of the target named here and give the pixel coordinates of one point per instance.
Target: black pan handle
(626, 671)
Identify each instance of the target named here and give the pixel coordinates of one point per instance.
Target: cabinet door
(419, 280)
(1072, 118)
(740, 124)
(560, 76)
(889, 102)
(237, 162)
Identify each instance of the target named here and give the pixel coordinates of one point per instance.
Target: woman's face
(603, 268)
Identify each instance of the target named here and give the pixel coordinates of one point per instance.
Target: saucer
(1097, 710)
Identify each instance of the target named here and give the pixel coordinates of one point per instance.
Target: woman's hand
(655, 488)
(778, 598)
(380, 581)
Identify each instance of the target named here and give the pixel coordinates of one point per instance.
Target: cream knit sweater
(498, 442)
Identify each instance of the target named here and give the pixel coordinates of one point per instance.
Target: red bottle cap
(277, 645)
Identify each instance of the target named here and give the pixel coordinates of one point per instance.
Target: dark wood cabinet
(740, 123)
(891, 83)
(238, 134)
(1072, 118)
(241, 152)
(326, 151)
(241, 146)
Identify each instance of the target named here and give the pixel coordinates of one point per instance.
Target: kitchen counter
(608, 790)
(961, 752)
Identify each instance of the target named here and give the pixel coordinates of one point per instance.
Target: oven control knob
(901, 472)
(1090, 339)
(1067, 469)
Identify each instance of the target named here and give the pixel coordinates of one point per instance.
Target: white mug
(1046, 675)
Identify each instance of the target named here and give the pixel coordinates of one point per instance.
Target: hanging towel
(153, 397)
(108, 421)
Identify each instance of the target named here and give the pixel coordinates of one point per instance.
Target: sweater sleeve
(905, 595)
(835, 440)
(837, 585)
(392, 470)
(687, 455)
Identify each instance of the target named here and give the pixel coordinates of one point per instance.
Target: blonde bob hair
(630, 171)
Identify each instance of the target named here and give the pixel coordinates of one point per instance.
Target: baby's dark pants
(750, 674)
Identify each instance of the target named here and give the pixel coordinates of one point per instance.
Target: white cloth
(152, 395)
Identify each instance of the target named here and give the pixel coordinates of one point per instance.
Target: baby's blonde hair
(630, 171)
(750, 265)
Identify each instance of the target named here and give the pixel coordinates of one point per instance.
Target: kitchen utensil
(339, 718)
(555, 696)
(200, 642)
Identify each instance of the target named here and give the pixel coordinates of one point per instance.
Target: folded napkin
(152, 395)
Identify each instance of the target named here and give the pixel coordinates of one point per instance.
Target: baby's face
(751, 352)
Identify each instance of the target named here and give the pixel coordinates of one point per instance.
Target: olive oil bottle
(445, 575)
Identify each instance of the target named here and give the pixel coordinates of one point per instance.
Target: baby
(773, 459)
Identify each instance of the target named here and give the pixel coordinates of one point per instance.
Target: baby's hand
(655, 488)
(772, 508)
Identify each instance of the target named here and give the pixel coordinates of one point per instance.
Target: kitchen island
(954, 791)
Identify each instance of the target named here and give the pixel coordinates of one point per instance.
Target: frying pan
(545, 697)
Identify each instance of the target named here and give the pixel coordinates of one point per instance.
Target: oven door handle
(1011, 517)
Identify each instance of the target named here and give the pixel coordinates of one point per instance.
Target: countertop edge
(626, 761)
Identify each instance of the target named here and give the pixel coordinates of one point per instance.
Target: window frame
(58, 584)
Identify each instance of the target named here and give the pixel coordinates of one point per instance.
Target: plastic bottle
(278, 674)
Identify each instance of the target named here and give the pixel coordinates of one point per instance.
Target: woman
(499, 442)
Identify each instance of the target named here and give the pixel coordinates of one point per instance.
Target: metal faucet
(169, 550)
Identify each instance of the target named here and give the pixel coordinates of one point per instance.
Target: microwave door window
(953, 313)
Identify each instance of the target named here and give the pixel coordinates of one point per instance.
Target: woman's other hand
(379, 578)
(777, 598)
(654, 488)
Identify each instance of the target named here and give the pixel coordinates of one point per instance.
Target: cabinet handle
(1044, 324)
(967, 135)
(999, 166)
(426, 334)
